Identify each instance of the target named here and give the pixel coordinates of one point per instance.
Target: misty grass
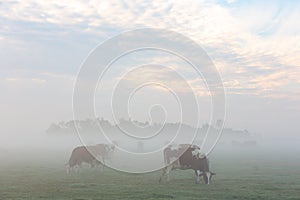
(246, 179)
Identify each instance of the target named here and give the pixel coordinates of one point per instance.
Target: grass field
(250, 177)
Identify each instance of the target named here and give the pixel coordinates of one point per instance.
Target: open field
(238, 177)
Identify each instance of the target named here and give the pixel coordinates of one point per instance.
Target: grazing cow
(89, 154)
(172, 152)
(191, 158)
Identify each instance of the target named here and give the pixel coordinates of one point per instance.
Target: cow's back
(79, 155)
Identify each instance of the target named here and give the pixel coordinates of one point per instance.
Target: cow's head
(207, 176)
(204, 167)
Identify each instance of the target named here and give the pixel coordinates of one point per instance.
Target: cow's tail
(166, 159)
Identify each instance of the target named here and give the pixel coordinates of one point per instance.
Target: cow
(173, 152)
(191, 158)
(89, 155)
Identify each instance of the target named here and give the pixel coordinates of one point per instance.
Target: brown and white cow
(173, 152)
(89, 155)
(190, 158)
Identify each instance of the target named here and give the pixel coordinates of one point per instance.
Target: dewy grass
(237, 178)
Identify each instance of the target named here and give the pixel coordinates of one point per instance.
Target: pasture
(238, 177)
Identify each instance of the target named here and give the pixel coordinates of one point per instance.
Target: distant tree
(219, 123)
(53, 128)
(205, 126)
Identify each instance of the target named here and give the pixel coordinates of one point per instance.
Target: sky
(255, 46)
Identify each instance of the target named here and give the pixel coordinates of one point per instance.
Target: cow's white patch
(201, 155)
(196, 152)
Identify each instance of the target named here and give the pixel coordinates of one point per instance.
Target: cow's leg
(99, 164)
(67, 166)
(165, 172)
(168, 172)
(73, 169)
(198, 173)
(160, 178)
(167, 160)
(78, 166)
(93, 164)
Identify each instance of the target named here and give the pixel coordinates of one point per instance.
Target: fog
(28, 112)
(136, 155)
(168, 98)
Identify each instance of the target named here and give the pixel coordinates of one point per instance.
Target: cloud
(160, 78)
(230, 1)
(256, 46)
(19, 80)
(27, 81)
